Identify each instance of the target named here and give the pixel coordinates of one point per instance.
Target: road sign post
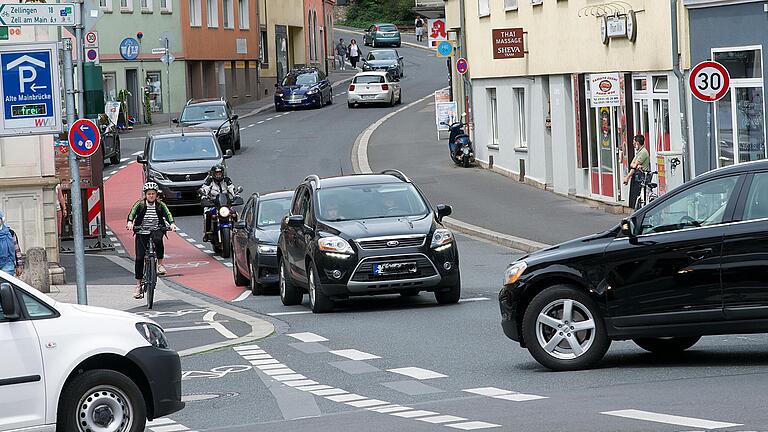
(709, 81)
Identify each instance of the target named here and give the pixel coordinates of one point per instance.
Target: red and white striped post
(94, 211)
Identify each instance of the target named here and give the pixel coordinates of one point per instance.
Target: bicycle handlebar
(139, 230)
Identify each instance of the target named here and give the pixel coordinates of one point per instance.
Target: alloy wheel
(282, 280)
(312, 287)
(565, 329)
(105, 409)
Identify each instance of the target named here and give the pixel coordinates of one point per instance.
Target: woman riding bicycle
(150, 215)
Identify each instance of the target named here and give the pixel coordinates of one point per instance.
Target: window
(166, 6)
(493, 112)
(110, 86)
(510, 5)
(212, 9)
(272, 212)
(229, 14)
(483, 8)
(195, 19)
(660, 84)
(757, 200)
(155, 91)
(36, 309)
(126, 6)
(522, 127)
(105, 5)
(243, 12)
(263, 48)
(741, 64)
(146, 6)
(701, 205)
(311, 37)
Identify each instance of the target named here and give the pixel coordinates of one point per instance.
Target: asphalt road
(450, 365)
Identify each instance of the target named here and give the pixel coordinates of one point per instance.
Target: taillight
(385, 86)
(351, 87)
(377, 28)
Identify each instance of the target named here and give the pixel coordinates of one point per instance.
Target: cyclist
(149, 214)
(216, 183)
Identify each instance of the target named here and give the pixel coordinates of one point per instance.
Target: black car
(364, 235)
(689, 264)
(303, 88)
(110, 140)
(385, 60)
(254, 245)
(178, 160)
(216, 115)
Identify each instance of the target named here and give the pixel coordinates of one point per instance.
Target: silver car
(374, 87)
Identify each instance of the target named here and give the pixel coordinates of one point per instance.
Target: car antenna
(341, 168)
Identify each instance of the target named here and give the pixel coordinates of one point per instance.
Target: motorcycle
(223, 216)
(460, 145)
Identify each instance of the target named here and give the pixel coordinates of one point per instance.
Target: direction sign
(158, 50)
(84, 137)
(709, 81)
(55, 14)
(445, 49)
(29, 89)
(462, 66)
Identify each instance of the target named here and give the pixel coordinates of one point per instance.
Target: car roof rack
(313, 178)
(397, 173)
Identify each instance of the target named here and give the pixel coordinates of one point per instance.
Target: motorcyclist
(216, 183)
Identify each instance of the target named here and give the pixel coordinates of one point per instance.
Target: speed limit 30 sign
(709, 81)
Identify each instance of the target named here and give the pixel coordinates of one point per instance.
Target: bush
(363, 13)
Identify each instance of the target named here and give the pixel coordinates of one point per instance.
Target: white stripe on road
(308, 337)
(219, 327)
(252, 125)
(177, 329)
(314, 387)
(473, 425)
(160, 422)
(328, 392)
(670, 419)
(442, 419)
(418, 373)
(289, 313)
(283, 371)
(199, 246)
(270, 366)
(260, 122)
(346, 397)
(414, 414)
(242, 296)
(246, 348)
(182, 234)
(498, 393)
(208, 251)
(367, 403)
(138, 153)
(291, 377)
(123, 160)
(264, 362)
(473, 299)
(354, 354)
(257, 357)
(300, 383)
(390, 409)
(252, 352)
(170, 428)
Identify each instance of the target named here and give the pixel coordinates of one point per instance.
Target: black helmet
(217, 172)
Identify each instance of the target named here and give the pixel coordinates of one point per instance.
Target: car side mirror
(235, 117)
(176, 121)
(227, 154)
(296, 221)
(141, 159)
(629, 227)
(8, 302)
(400, 58)
(443, 210)
(240, 225)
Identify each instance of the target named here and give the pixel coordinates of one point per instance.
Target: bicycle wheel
(639, 203)
(150, 280)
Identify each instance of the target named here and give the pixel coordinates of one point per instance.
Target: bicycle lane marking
(214, 279)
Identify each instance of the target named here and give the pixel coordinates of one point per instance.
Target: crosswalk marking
(263, 362)
(354, 354)
(300, 382)
(365, 403)
(328, 392)
(414, 414)
(498, 393)
(289, 377)
(417, 373)
(170, 428)
(314, 387)
(283, 371)
(308, 337)
(257, 357)
(271, 366)
(670, 419)
(441, 419)
(160, 422)
(345, 397)
(473, 425)
(241, 348)
(390, 409)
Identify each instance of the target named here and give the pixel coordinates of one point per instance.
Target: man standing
(640, 165)
(341, 54)
(420, 24)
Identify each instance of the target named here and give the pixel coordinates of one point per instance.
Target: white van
(75, 368)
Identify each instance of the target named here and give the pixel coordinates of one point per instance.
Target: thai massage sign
(508, 43)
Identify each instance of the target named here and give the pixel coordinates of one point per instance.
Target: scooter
(460, 145)
(223, 217)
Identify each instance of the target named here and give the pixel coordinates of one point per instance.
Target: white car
(74, 368)
(374, 87)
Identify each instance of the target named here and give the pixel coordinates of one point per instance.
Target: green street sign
(3, 33)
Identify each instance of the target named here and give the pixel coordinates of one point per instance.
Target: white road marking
(170, 428)
(346, 397)
(283, 371)
(178, 329)
(291, 377)
(242, 128)
(242, 296)
(160, 422)
(264, 362)
(270, 118)
(228, 264)
(418, 373)
(519, 397)
(257, 357)
(473, 425)
(114, 239)
(300, 383)
(191, 240)
(219, 327)
(354, 354)
(498, 393)
(367, 403)
(182, 234)
(123, 160)
(250, 126)
(670, 419)
(208, 251)
(252, 352)
(270, 366)
(329, 392)
(390, 409)
(414, 414)
(289, 313)
(138, 153)
(106, 178)
(314, 387)
(246, 347)
(218, 258)
(473, 299)
(308, 337)
(260, 122)
(442, 419)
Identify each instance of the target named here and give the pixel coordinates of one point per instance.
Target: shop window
(640, 84)
(522, 127)
(483, 8)
(110, 86)
(493, 110)
(660, 84)
(741, 64)
(212, 10)
(155, 91)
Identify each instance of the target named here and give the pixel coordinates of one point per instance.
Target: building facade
(731, 130)
(556, 103)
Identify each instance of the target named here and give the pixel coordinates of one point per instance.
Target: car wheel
(256, 287)
(373, 42)
(392, 100)
(289, 293)
(397, 45)
(101, 399)
(115, 159)
(350, 105)
(450, 296)
(237, 144)
(667, 345)
(563, 330)
(400, 98)
(330, 99)
(240, 280)
(277, 108)
(318, 301)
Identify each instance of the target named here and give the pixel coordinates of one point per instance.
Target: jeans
(340, 60)
(141, 243)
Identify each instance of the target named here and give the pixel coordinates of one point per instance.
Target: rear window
(387, 28)
(303, 79)
(272, 212)
(382, 55)
(181, 148)
(195, 113)
(369, 79)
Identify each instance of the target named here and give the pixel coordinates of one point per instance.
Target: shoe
(206, 238)
(138, 294)
(160, 269)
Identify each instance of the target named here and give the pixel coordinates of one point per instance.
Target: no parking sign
(84, 137)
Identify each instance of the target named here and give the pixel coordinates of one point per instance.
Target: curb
(410, 44)
(361, 166)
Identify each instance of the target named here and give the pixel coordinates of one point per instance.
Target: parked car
(216, 115)
(308, 87)
(110, 140)
(364, 235)
(374, 87)
(254, 249)
(382, 34)
(74, 367)
(689, 264)
(178, 160)
(385, 60)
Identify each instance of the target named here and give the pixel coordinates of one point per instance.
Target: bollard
(36, 270)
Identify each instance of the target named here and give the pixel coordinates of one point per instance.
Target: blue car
(303, 88)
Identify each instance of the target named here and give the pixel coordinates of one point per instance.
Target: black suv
(689, 264)
(216, 115)
(363, 235)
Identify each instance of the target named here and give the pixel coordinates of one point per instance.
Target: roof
(276, 195)
(358, 179)
(208, 101)
(166, 132)
(371, 73)
(384, 23)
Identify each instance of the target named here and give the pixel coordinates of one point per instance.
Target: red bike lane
(186, 264)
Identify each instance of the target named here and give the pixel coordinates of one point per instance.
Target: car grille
(295, 97)
(183, 177)
(384, 243)
(364, 272)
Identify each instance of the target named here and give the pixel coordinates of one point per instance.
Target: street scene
(377, 215)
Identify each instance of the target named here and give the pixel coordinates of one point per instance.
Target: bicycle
(149, 281)
(648, 193)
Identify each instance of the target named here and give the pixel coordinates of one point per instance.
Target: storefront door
(602, 151)
(281, 51)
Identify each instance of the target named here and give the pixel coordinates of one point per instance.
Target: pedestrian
(10, 252)
(640, 165)
(354, 53)
(61, 208)
(420, 26)
(341, 54)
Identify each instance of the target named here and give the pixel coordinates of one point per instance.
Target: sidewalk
(479, 197)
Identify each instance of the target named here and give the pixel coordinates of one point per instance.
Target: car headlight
(514, 271)
(313, 91)
(335, 245)
(441, 237)
(279, 94)
(157, 175)
(153, 334)
(224, 212)
(267, 249)
(224, 130)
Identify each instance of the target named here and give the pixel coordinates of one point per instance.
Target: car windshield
(387, 28)
(382, 55)
(300, 79)
(183, 148)
(203, 113)
(369, 79)
(271, 212)
(370, 202)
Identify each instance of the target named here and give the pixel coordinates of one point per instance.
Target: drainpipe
(464, 78)
(681, 82)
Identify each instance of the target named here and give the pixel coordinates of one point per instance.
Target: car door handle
(700, 254)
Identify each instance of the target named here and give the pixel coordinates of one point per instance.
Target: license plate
(368, 96)
(294, 101)
(385, 269)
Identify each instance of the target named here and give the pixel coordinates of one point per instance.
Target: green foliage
(363, 13)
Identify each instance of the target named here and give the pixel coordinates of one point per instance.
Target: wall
(280, 12)
(219, 43)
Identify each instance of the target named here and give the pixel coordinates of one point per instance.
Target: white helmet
(151, 186)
